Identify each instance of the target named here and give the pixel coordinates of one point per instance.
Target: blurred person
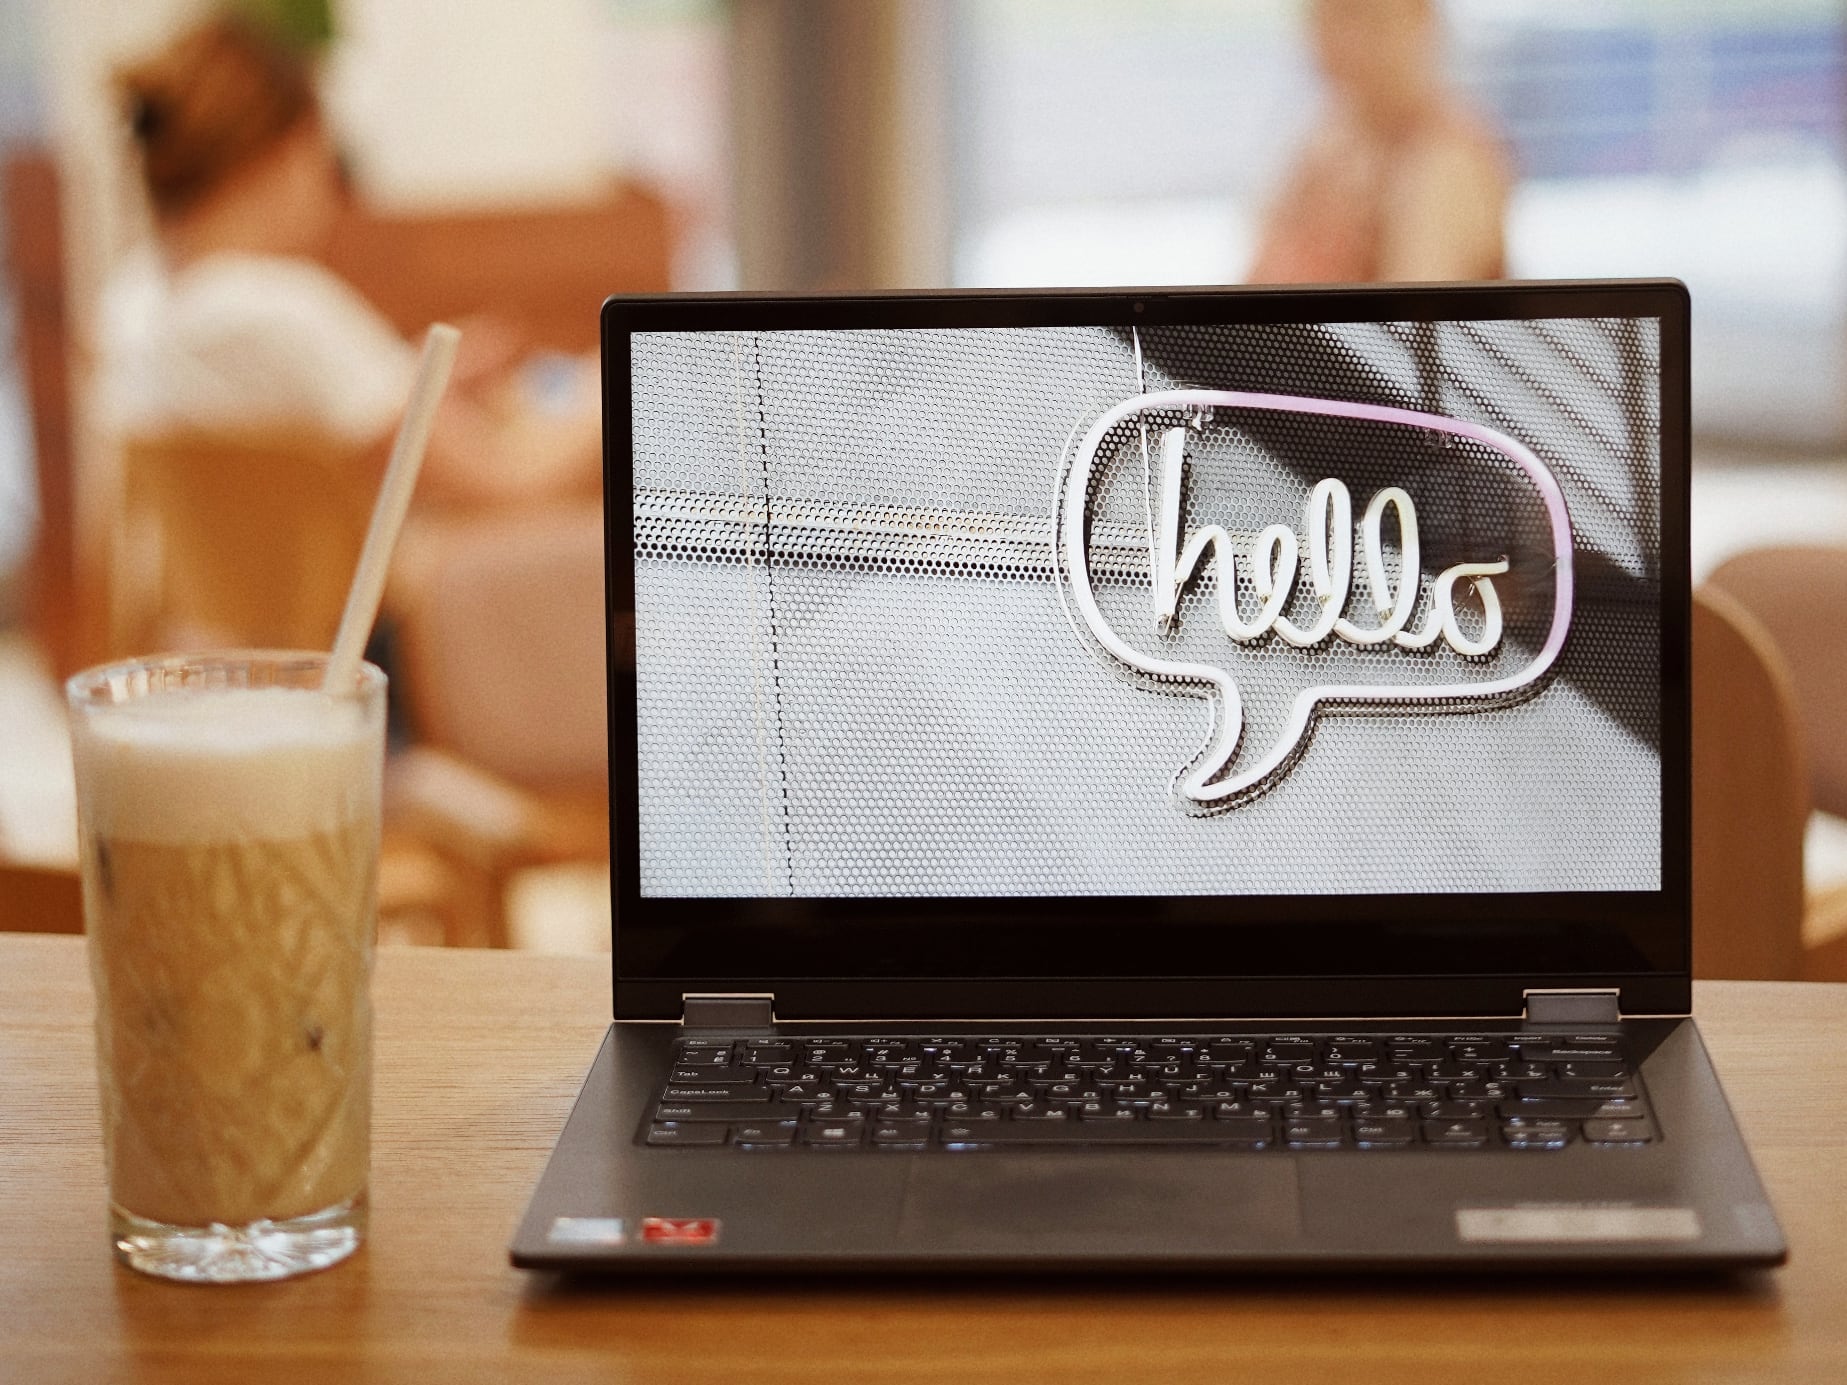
(228, 322)
(1400, 179)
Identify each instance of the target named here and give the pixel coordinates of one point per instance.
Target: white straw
(394, 493)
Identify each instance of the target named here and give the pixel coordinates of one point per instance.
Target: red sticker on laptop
(680, 1231)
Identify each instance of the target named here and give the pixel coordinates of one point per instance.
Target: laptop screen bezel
(1362, 956)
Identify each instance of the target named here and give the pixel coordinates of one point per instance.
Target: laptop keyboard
(1286, 1091)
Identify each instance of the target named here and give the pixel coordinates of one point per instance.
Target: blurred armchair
(1750, 800)
(1797, 594)
(235, 539)
(501, 630)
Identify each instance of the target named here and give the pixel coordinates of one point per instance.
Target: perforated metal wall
(856, 674)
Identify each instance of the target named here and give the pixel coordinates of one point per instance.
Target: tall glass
(228, 810)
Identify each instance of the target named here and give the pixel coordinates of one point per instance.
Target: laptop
(1150, 780)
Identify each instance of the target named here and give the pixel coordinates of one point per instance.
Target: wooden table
(479, 1055)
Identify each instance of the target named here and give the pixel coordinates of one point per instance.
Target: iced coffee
(229, 832)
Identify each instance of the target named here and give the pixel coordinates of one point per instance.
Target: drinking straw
(388, 511)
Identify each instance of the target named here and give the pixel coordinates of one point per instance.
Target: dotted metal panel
(856, 675)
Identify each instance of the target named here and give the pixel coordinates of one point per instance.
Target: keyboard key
(1535, 1137)
(1566, 1053)
(1455, 1110)
(776, 1052)
(723, 1111)
(1278, 1091)
(1481, 1051)
(902, 1133)
(710, 1076)
(1312, 1128)
(1341, 1091)
(729, 1091)
(1607, 1088)
(1460, 1134)
(760, 1132)
(1567, 1108)
(1289, 1051)
(1239, 1110)
(1080, 1133)
(1383, 1133)
(1618, 1132)
(1309, 1110)
(670, 1134)
(704, 1057)
(834, 1134)
(803, 1091)
(1385, 1110)
(1208, 1092)
(1416, 1050)
(1591, 1071)
(1172, 1111)
(1354, 1051)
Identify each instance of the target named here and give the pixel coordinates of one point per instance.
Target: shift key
(1568, 1108)
(725, 1111)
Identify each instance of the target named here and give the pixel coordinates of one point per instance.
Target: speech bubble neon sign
(1274, 560)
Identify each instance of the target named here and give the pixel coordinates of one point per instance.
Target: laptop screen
(1331, 618)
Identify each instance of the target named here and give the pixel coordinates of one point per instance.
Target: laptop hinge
(1573, 1007)
(732, 1011)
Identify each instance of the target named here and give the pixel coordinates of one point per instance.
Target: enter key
(1580, 1088)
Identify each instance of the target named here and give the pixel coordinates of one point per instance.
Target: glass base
(239, 1254)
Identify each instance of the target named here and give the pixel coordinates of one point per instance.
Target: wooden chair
(544, 269)
(236, 540)
(1750, 799)
(1798, 595)
(503, 652)
(55, 579)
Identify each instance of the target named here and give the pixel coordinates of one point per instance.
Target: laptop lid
(1176, 653)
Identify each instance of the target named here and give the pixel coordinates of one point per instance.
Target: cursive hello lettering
(1274, 563)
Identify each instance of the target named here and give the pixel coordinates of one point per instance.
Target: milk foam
(236, 764)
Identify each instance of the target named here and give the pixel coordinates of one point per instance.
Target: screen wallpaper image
(1360, 608)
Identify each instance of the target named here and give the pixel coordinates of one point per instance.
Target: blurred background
(511, 164)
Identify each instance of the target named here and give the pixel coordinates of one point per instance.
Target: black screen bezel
(1076, 957)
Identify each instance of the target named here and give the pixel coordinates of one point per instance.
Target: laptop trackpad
(1152, 1201)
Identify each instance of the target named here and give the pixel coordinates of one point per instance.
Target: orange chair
(1797, 593)
(501, 630)
(236, 540)
(1750, 799)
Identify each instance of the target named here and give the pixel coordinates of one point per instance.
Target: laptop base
(609, 1204)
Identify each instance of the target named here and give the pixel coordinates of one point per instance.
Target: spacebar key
(1087, 1133)
(727, 1111)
